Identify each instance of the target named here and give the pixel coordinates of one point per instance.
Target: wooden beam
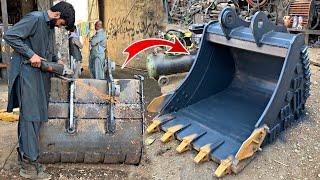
(44, 5)
(5, 22)
(4, 14)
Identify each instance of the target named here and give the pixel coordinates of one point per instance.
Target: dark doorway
(18, 8)
(101, 10)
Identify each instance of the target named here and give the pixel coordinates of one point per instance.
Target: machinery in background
(307, 11)
(303, 17)
(202, 11)
(185, 13)
(161, 65)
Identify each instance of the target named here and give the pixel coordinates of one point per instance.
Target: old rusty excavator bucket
(94, 121)
(249, 82)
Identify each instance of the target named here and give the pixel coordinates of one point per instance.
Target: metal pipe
(162, 64)
(112, 91)
(71, 129)
(141, 93)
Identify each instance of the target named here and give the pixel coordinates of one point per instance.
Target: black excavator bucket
(249, 82)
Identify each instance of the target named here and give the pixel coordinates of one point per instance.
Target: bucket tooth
(154, 127)
(156, 122)
(185, 145)
(252, 144)
(224, 167)
(168, 136)
(203, 154)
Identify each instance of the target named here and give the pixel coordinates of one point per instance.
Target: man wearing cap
(97, 52)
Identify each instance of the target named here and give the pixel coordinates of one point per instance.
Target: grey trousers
(28, 132)
(76, 67)
(97, 66)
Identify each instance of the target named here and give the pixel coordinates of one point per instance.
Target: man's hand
(60, 62)
(35, 61)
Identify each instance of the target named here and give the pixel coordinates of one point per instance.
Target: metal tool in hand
(53, 67)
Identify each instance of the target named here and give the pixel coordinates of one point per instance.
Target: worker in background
(75, 52)
(32, 39)
(97, 52)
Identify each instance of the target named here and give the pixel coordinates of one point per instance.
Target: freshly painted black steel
(228, 20)
(230, 90)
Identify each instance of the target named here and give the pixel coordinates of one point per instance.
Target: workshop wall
(128, 22)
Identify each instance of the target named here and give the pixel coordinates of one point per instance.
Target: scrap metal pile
(199, 11)
(307, 12)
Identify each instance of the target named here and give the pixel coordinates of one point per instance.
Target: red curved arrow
(139, 46)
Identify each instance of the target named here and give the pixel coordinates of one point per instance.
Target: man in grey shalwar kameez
(97, 52)
(75, 53)
(32, 39)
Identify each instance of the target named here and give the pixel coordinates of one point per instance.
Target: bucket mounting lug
(229, 20)
(260, 25)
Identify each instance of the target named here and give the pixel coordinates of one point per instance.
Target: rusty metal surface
(92, 111)
(257, 3)
(301, 8)
(91, 143)
(60, 91)
(197, 11)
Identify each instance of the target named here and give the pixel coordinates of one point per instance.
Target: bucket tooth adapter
(249, 82)
(94, 121)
